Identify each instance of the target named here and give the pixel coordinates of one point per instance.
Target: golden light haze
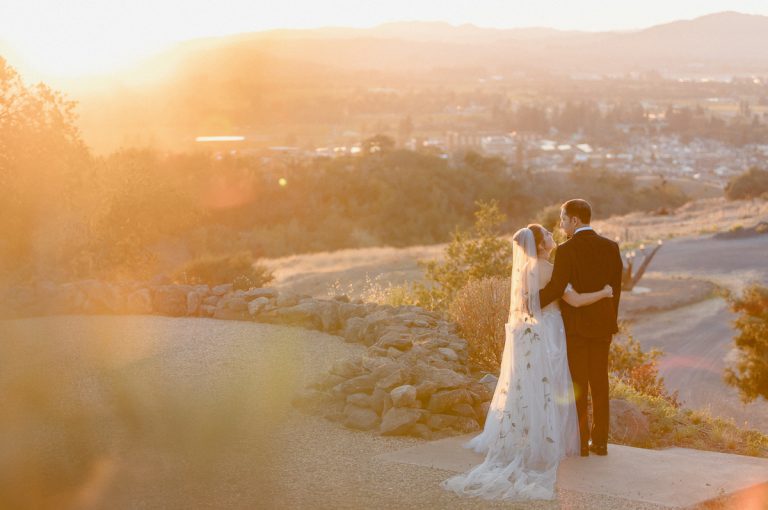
(47, 39)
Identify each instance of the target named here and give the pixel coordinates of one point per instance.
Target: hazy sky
(73, 37)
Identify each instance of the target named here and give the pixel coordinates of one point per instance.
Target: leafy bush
(481, 309)
(628, 363)
(750, 373)
(239, 269)
(752, 183)
(473, 255)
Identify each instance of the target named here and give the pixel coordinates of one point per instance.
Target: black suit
(588, 262)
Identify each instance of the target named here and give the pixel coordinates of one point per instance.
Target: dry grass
(481, 310)
(704, 216)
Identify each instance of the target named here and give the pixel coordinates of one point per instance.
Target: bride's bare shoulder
(545, 270)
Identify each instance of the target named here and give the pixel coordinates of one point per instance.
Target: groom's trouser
(588, 361)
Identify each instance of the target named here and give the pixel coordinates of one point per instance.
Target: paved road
(698, 338)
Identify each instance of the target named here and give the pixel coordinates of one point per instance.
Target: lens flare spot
(282, 182)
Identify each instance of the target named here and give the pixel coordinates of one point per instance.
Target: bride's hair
(538, 233)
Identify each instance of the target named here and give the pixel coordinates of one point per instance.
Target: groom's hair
(579, 208)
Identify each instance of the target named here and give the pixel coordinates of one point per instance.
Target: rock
(445, 400)
(265, 292)
(287, 299)
(380, 400)
(396, 339)
(489, 381)
(448, 353)
(425, 389)
(464, 424)
(329, 381)
(211, 300)
(421, 430)
(628, 424)
(353, 330)
(347, 368)
(360, 418)
(398, 421)
(441, 421)
(257, 305)
(139, 301)
(463, 409)
(396, 378)
(360, 400)
(193, 303)
(481, 411)
(101, 297)
(359, 384)
(442, 377)
(480, 392)
(404, 396)
(305, 315)
(170, 300)
(207, 310)
(220, 290)
(237, 304)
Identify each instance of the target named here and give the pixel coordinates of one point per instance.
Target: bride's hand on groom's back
(608, 291)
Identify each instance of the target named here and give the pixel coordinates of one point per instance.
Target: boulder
(354, 329)
(360, 418)
(287, 299)
(463, 409)
(264, 292)
(628, 424)
(464, 425)
(257, 305)
(397, 339)
(305, 315)
(442, 377)
(360, 400)
(448, 353)
(236, 304)
(139, 302)
(170, 300)
(359, 384)
(399, 421)
(404, 396)
(220, 290)
(444, 400)
(102, 297)
(441, 421)
(347, 368)
(193, 303)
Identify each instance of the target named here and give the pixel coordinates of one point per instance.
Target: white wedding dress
(531, 423)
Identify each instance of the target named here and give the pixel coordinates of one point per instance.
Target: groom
(588, 262)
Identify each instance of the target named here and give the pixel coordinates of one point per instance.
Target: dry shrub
(481, 309)
(239, 269)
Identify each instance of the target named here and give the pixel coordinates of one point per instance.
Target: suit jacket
(588, 262)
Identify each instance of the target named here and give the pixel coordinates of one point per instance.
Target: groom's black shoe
(585, 451)
(598, 449)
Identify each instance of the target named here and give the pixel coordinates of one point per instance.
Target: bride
(531, 423)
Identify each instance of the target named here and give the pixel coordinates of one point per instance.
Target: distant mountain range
(716, 43)
(221, 81)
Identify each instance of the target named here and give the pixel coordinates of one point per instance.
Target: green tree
(471, 255)
(750, 373)
(45, 169)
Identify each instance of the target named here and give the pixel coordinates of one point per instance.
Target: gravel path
(193, 413)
